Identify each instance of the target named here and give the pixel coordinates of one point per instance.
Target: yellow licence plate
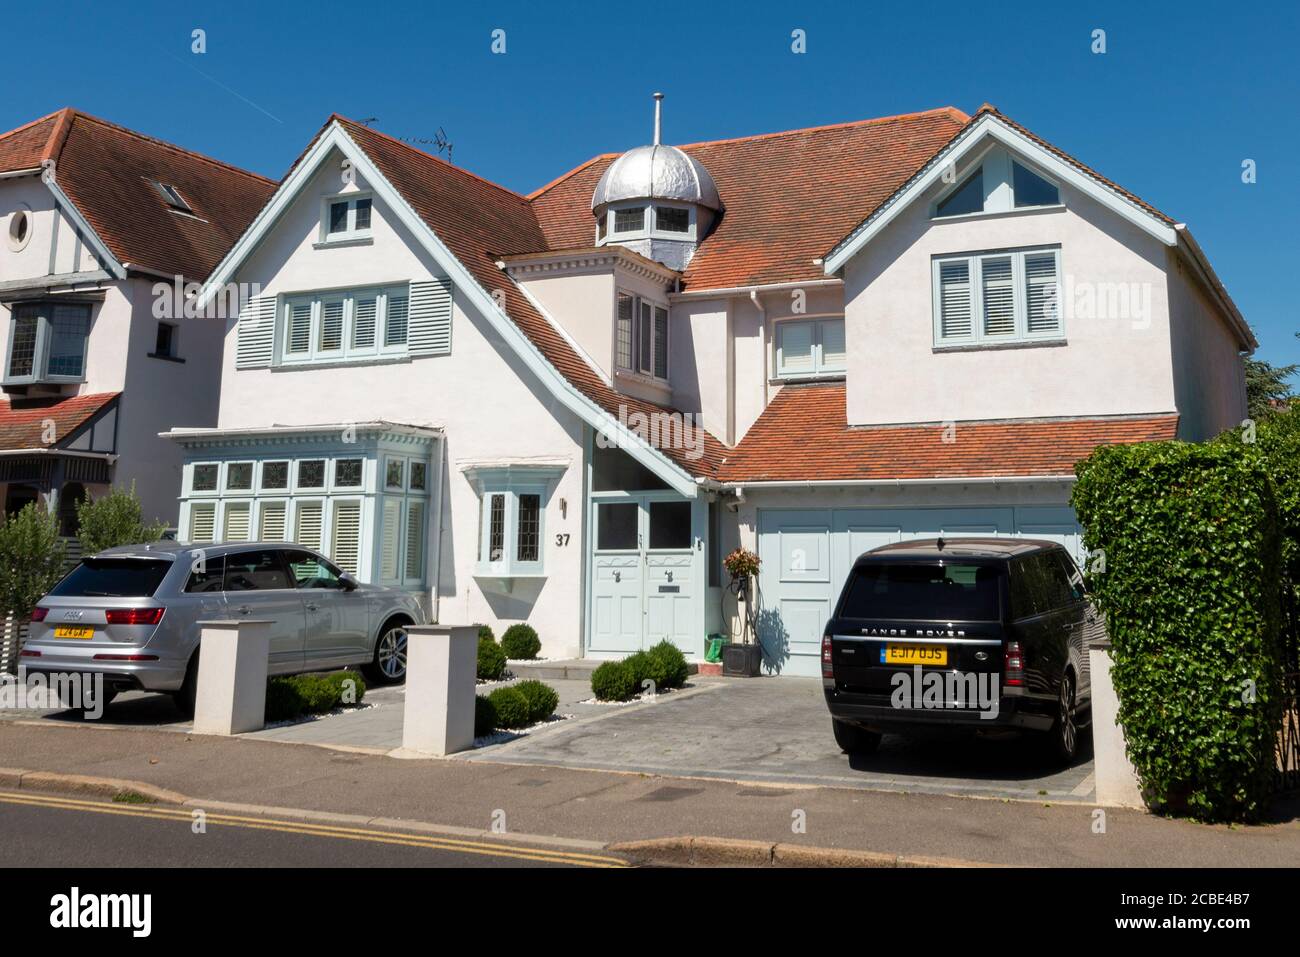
(914, 655)
(67, 632)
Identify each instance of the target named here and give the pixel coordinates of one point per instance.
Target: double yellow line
(313, 829)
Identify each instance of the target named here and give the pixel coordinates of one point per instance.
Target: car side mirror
(348, 582)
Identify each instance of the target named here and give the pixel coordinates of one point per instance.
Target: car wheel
(388, 666)
(1065, 731)
(184, 697)
(853, 739)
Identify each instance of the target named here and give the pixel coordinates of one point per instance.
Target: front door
(643, 585)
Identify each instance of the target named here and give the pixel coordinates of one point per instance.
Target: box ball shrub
(613, 681)
(485, 631)
(485, 717)
(642, 669)
(521, 642)
(668, 668)
(491, 660)
(1190, 589)
(511, 707)
(284, 701)
(542, 699)
(349, 687)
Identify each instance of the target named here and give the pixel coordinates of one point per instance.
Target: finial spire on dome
(659, 102)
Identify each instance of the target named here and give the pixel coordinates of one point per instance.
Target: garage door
(807, 553)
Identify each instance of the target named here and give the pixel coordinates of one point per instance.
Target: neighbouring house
(566, 407)
(93, 217)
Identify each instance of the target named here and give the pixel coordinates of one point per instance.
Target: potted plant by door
(743, 659)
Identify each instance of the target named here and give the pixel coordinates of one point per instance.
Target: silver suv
(132, 613)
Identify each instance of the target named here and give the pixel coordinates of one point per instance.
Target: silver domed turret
(656, 173)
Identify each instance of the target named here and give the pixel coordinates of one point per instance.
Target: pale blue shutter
(429, 333)
(255, 332)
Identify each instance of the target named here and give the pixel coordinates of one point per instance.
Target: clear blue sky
(1185, 92)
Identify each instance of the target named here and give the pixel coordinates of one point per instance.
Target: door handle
(244, 610)
(618, 577)
(311, 607)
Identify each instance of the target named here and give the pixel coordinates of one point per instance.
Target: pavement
(767, 730)
(592, 808)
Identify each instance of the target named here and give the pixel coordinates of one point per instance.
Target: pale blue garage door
(807, 554)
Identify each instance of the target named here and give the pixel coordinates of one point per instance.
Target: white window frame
(260, 485)
(999, 188)
(215, 491)
(224, 473)
(350, 233)
(820, 369)
(347, 352)
(509, 566)
(644, 370)
(649, 228)
(975, 277)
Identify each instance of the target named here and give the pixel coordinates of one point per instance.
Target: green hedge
(1190, 591)
(291, 696)
(491, 660)
(521, 642)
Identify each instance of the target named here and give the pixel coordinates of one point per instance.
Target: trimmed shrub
(349, 686)
(1190, 590)
(613, 681)
(491, 660)
(521, 642)
(290, 696)
(284, 701)
(485, 631)
(542, 699)
(485, 716)
(511, 707)
(641, 668)
(668, 668)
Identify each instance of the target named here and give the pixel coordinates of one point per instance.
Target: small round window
(20, 229)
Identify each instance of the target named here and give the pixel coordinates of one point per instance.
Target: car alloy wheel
(1066, 729)
(391, 655)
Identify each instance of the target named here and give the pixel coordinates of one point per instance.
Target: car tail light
(1013, 665)
(133, 616)
(126, 657)
(27, 653)
(828, 666)
(39, 613)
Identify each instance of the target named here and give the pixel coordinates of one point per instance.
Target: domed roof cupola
(656, 200)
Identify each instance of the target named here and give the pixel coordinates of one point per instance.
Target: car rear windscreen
(113, 578)
(948, 592)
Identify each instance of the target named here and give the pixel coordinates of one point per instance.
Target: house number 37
(562, 539)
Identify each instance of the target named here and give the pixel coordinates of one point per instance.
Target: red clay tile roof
(106, 170)
(479, 222)
(24, 427)
(789, 196)
(803, 435)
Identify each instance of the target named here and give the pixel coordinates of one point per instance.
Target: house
(100, 226)
(566, 407)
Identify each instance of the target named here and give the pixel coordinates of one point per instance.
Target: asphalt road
(38, 830)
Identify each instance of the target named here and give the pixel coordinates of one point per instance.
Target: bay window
(47, 342)
(993, 298)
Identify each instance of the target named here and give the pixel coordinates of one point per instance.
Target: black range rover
(971, 632)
